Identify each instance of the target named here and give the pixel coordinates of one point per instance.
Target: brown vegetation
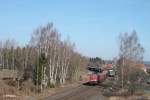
(46, 61)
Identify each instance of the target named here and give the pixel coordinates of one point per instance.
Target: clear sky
(94, 25)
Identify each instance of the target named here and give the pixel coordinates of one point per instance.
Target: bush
(51, 85)
(11, 83)
(28, 86)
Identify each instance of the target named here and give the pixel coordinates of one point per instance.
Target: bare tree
(47, 59)
(7, 54)
(47, 41)
(130, 53)
(1, 55)
(130, 48)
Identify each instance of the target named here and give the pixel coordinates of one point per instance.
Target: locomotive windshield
(95, 70)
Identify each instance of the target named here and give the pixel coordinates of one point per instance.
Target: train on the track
(97, 75)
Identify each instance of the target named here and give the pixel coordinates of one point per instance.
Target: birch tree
(66, 54)
(61, 59)
(1, 56)
(45, 41)
(130, 53)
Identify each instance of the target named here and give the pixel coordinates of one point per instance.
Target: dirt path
(81, 92)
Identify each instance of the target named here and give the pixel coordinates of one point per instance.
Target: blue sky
(94, 25)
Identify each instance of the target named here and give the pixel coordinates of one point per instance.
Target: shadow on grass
(89, 84)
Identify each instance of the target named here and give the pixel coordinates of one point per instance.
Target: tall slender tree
(130, 53)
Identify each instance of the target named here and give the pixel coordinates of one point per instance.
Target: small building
(108, 67)
(142, 67)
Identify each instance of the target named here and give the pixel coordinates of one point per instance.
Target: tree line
(46, 59)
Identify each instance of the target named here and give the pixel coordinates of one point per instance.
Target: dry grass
(8, 92)
(5, 73)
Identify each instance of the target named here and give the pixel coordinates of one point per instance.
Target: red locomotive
(96, 75)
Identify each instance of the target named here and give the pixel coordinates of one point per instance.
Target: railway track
(81, 92)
